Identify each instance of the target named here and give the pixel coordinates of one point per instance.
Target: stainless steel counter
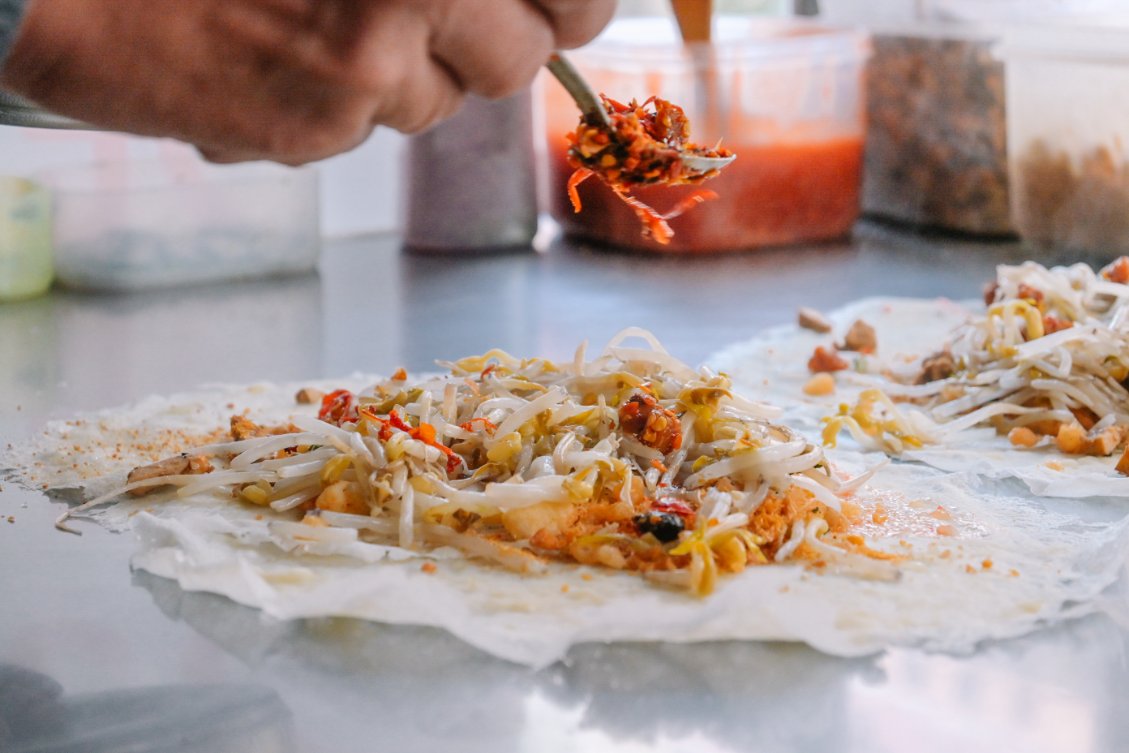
(96, 658)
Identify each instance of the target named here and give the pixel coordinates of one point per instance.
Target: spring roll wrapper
(774, 364)
(999, 564)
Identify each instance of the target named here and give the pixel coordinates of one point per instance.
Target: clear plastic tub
(784, 95)
(937, 152)
(152, 224)
(1068, 137)
(25, 239)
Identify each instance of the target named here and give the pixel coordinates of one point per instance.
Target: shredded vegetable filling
(631, 461)
(644, 147)
(1047, 363)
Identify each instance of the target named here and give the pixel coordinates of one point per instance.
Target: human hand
(288, 80)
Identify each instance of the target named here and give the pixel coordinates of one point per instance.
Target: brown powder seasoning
(936, 149)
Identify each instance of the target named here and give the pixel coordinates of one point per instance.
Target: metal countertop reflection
(82, 639)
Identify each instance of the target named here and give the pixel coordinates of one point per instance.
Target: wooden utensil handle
(694, 19)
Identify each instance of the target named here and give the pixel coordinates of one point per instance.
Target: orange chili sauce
(772, 195)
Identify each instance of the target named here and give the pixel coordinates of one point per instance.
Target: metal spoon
(593, 110)
(15, 111)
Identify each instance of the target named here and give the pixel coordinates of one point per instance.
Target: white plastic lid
(1105, 43)
(651, 41)
(1021, 11)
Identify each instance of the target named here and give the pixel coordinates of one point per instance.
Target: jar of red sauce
(786, 96)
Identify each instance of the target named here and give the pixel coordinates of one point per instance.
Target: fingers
(288, 80)
(492, 48)
(296, 151)
(575, 22)
(392, 67)
(306, 98)
(495, 48)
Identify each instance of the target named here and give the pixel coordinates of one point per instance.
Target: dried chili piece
(338, 407)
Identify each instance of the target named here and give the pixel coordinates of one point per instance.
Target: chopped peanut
(308, 396)
(813, 320)
(820, 384)
(552, 517)
(861, 337)
(1123, 462)
(1071, 439)
(1021, 436)
(609, 556)
(940, 365)
(244, 428)
(550, 539)
(343, 496)
(1046, 427)
(1106, 441)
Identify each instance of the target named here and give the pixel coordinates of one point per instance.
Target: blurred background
(359, 190)
(990, 119)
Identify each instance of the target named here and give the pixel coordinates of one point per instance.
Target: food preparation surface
(96, 658)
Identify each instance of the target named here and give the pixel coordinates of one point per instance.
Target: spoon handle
(586, 99)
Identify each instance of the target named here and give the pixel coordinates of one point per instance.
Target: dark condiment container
(936, 149)
(471, 184)
(1069, 137)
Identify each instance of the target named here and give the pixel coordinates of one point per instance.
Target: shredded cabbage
(629, 461)
(1049, 357)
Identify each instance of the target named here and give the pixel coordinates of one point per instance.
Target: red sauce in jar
(773, 194)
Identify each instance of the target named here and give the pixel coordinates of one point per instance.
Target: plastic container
(936, 150)
(152, 224)
(889, 14)
(25, 239)
(471, 184)
(1068, 136)
(786, 96)
(936, 146)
